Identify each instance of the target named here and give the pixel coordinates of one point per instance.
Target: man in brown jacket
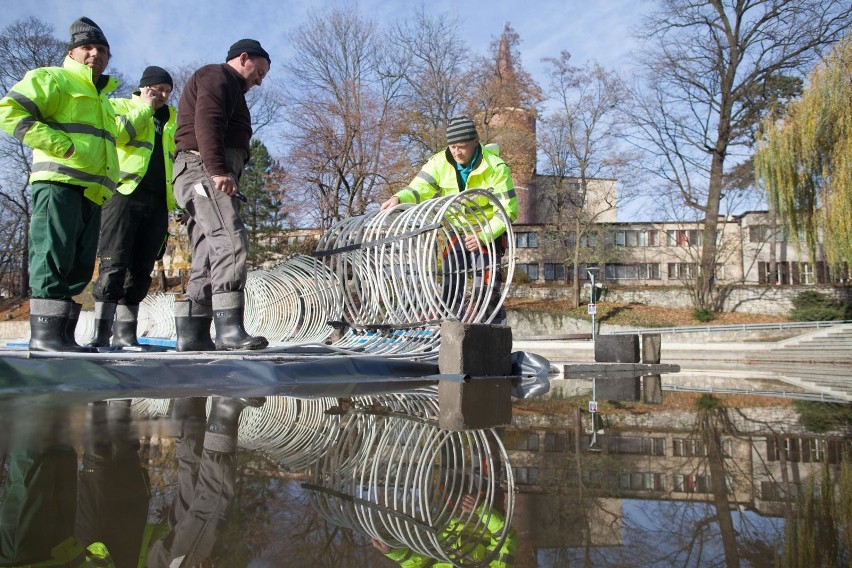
(212, 141)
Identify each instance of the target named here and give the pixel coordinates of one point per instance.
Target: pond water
(369, 479)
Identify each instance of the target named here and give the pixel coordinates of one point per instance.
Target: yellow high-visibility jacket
(53, 108)
(438, 177)
(135, 155)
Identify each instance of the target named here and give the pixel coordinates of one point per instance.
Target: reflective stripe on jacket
(135, 155)
(53, 108)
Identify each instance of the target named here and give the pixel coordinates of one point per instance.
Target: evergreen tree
(263, 213)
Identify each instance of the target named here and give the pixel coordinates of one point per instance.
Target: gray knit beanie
(461, 129)
(86, 32)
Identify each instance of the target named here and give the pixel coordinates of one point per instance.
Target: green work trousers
(63, 241)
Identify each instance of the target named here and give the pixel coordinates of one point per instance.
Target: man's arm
(211, 117)
(25, 109)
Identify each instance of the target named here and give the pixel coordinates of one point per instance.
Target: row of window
(558, 272)
(807, 450)
(631, 445)
(628, 481)
(625, 238)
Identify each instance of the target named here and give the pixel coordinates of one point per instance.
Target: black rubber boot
(224, 421)
(192, 324)
(228, 311)
(188, 417)
(104, 313)
(49, 326)
(71, 328)
(124, 329)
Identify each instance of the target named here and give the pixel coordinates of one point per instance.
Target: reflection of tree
(711, 422)
(819, 533)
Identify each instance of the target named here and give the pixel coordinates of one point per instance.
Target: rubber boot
(192, 324)
(49, 324)
(188, 417)
(228, 310)
(224, 421)
(71, 327)
(104, 314)
(124, 328)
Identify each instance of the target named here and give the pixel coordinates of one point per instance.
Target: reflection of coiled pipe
(384, 277)
(409, 491)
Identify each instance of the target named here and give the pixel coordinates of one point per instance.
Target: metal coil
(383, 277)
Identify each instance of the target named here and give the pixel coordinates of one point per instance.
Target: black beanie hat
(154, 75)
(460, 129)
(86, 32)
(250, 46)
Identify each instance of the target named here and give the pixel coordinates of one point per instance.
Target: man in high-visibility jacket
(63, 114)
(466, 164)
(135, 222)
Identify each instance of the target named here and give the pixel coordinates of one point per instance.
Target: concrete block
(484, 353)
(626, 390)
(475, 404)
(617, 348)
(475, 349)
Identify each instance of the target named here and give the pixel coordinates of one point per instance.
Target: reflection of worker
(473, 541)
(207, 454)
(467, 164)
(49, 518)
(135, 221)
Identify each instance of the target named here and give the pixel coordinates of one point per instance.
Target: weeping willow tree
(805, 159)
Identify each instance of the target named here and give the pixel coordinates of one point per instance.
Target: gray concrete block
(626, 390)
(475, 349)
(617, 348)
(483, 352)
(475, 404)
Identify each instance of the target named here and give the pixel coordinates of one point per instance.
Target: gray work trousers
(217, 234)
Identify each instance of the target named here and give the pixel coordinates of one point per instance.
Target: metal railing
(737, 327)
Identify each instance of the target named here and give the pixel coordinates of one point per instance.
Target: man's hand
(382, 547)
(471, 243)
(392, 202)
(226, 184)
(149, 96)
(70, 152)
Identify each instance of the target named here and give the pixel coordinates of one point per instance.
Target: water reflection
(372, 481)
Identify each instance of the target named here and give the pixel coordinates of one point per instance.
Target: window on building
(525, 475)
(649, 271)
(683, 237)
(681, 270)
(527, 240)
(555, 442)
(686, 447)
(691, 483)
(806, 273)
(636, 445)
(554, 272)
(636, 481)
(530, 269)
(528, 443)
(621, 271)
(589, 241)
(648, 238)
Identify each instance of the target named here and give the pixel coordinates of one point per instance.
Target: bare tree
(343, 150)
(699, 108)
(24, 45)
(432, 56)
(583, 154)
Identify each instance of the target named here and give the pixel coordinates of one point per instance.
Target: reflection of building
(669, 462)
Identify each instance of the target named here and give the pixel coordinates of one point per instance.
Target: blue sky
(179, 32)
